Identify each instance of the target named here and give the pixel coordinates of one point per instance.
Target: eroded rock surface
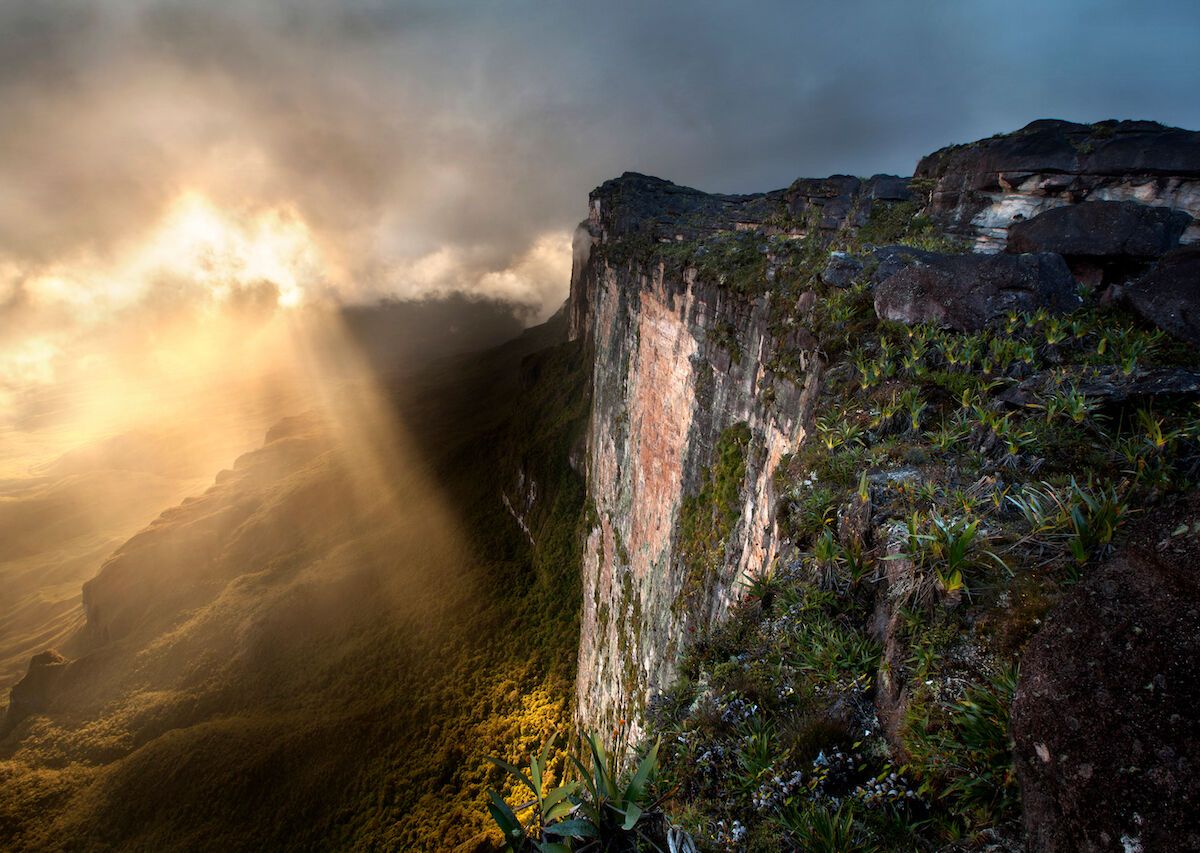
(1105, 724)
(978, 190)
(966, 292)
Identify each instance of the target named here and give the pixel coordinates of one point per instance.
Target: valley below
(316, 647)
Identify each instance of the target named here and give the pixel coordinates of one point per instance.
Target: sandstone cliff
(678, 362)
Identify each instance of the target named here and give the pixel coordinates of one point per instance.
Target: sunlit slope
(321, 648)
(61, 520)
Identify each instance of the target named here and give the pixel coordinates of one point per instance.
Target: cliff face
(677, 364)
(688, 392)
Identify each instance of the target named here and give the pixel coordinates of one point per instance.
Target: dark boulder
(967, 292)
(891, 259)
(1101, 229)
(1105, 722)
(887, 188)
(841, 269)
(1169, 295)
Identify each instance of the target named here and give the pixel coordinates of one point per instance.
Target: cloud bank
(435, 147)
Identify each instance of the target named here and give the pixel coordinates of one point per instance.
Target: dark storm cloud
(401, 129)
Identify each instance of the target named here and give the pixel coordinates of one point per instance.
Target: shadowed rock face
(842, 199)
(966, 292)
(1169, 295)
(1101, 229)
(1105, 725)
(33, 692)
(978, 190)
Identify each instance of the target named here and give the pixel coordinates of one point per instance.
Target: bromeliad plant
(613, 804)
(602, 809)
(946, 550)
(1078, 519)
(962, 750)
(550, 812)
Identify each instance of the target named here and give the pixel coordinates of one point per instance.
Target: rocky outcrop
(642, 205)
(1105, 725)
(978, 190)
(660, 210)
(1169, 295)
(842, 200)
(33, 693)
(967, 292)
(677, 363)
(1100, 230)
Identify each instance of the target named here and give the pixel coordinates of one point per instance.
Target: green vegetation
(961, 751)
(706, 519)
(905, 224)
(600, 806)
(360, 647)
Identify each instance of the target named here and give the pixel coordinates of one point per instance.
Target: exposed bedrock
(979, 189)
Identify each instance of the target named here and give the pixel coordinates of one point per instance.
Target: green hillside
(321, 649)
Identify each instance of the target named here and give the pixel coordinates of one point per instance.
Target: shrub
(962, 752)
(602, 805)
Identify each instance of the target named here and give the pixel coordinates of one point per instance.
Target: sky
(175, 156)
